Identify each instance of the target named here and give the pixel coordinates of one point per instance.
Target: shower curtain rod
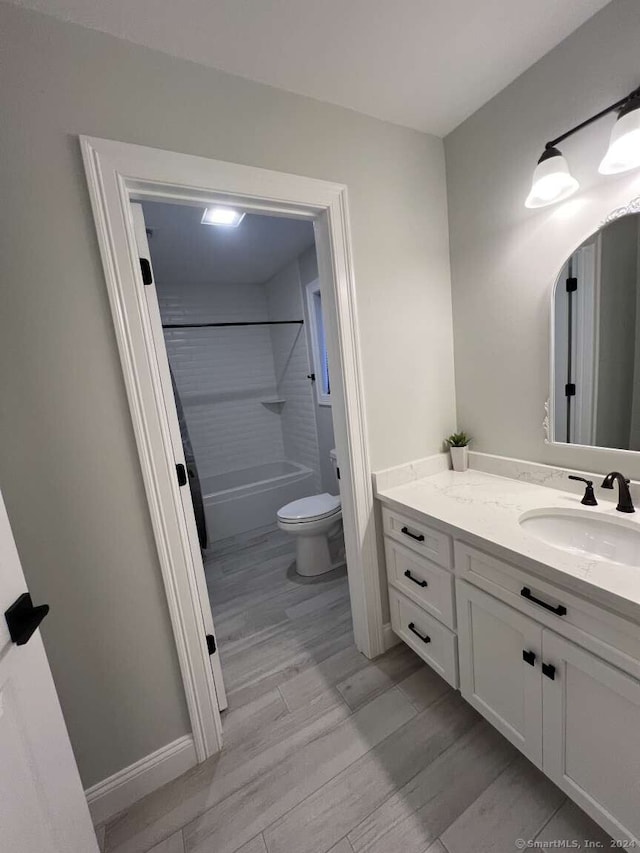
(214, 325)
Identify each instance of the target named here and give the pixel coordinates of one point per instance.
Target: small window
(319, 344)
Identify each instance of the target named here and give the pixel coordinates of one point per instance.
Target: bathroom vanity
(543, 641)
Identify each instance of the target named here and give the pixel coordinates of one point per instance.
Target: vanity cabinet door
(592, 735)
(500, 667)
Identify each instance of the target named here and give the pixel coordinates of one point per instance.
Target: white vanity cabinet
(554, 670)
(576, 716)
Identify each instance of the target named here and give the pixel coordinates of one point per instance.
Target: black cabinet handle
(408, 574)
(412, 628)
(529, 657)
(417, 536)
(549, 670)
(560, 610)
(23, 618)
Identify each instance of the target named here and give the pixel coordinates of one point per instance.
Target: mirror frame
(548, 423)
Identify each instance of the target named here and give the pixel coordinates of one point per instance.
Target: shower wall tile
(222, 374)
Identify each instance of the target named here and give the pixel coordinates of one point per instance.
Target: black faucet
(625, 504)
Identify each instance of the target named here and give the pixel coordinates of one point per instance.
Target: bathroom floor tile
(328, 752)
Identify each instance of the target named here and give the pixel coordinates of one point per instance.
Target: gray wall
(69, 467)
(505, 258)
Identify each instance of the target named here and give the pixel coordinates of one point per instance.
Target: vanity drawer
(608, 635)
(422, 581)
(433, 544)
(429, 639)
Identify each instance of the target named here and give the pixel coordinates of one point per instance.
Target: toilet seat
(313, 508)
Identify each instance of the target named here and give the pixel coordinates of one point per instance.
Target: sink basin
(583, 532)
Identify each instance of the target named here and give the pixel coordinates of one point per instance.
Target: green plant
(458, 439)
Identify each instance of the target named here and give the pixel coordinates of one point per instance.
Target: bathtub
(238, 501)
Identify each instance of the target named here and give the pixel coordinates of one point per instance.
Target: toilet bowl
(314, 521)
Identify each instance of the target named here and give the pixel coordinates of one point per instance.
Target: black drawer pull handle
(560, 610)
(408, 574)
(529, 657)
(412, 628)
(417, 536)
(549, 670)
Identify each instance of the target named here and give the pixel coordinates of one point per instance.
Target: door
(592, 735)
(500, 674)
(176, 443)
(42, 804)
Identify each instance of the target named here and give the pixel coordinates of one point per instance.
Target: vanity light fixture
(552, 180)
(226, 217)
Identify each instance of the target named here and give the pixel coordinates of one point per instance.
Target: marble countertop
(487, 507)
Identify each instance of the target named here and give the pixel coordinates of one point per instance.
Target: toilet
(316, 522)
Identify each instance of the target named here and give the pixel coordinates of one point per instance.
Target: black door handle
(408, 574)
(23, 618)
(560, 610)
(417, 536)
(412, 628)
(549, 670)
(529, 657)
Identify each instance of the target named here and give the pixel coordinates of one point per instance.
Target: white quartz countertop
(488, 507)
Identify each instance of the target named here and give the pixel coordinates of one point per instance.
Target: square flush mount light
(226, 217)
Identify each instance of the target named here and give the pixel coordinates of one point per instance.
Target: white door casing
(42, 804)
(495, 677)
(178, 451)
(118, 173)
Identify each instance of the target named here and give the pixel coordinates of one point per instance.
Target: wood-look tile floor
(327, 752)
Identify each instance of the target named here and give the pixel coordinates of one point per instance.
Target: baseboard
(389, 639)
(125, 787)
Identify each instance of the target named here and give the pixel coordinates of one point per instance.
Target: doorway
(240, 304)
(119, 173)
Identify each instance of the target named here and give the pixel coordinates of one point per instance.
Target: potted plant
(458, 443)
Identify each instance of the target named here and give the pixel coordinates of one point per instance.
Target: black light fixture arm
(619, 105)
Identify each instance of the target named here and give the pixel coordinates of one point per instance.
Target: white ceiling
(182, 249)
(426, 64)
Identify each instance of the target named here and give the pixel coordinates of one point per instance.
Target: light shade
(227, 217)
(624, 146)
(552, 180)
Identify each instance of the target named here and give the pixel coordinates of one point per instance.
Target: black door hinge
(570, 389)
(182, 474)
(145, 269)
(572, 284)
(211, 643)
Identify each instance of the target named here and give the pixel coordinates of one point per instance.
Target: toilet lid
(311, 508)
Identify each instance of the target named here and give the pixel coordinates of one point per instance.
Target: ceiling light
(552, 180)
(225, 217)
(624, 147)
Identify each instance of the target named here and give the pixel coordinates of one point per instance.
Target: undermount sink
(583, 532)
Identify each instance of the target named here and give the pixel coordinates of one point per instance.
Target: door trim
(118, 173)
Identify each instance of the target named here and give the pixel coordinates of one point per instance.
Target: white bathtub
(242, 500)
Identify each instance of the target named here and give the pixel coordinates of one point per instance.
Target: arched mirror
(595, 376)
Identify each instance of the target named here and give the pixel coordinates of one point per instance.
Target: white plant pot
(460, 458)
